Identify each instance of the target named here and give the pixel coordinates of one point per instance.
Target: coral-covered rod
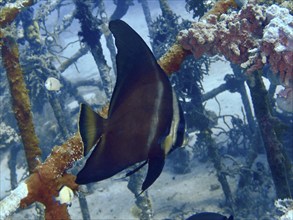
(11, 10)
(20, 102)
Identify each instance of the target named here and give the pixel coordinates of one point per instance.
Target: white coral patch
(279, 31)
(235, 49)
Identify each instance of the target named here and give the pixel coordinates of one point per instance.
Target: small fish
(53, 84)
(65, 195)
(209, 216)
(284, 99)
(145, 121)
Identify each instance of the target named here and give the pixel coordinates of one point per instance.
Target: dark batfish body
(144, 119)
(209, 216)
(126, 135)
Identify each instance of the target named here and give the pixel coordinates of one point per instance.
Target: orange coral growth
(45, 183)
(170, 62)
(221, 7)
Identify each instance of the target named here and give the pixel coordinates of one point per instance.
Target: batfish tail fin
(90, 126)
(155, 167)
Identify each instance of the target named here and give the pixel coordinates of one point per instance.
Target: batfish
(145, 121)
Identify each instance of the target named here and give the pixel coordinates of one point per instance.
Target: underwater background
(230, 63)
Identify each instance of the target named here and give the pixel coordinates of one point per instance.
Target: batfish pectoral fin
(181, 134)
(136, 169)
(90, 126)
(155, 166)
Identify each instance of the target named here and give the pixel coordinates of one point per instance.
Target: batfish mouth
(284, 99)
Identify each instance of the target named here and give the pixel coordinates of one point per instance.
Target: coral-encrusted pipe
(44, 184)
(277, 158)
(20, 102)
(11, 10)
(91, 36)
(252, 38)
(221, 7)
(49, 177)
(170, 62)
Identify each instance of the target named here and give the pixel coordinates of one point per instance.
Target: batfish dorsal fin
(134, 60)
(133, 52)
(90, 127)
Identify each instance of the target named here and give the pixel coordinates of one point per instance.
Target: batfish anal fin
(90, 126)
(156, 164)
